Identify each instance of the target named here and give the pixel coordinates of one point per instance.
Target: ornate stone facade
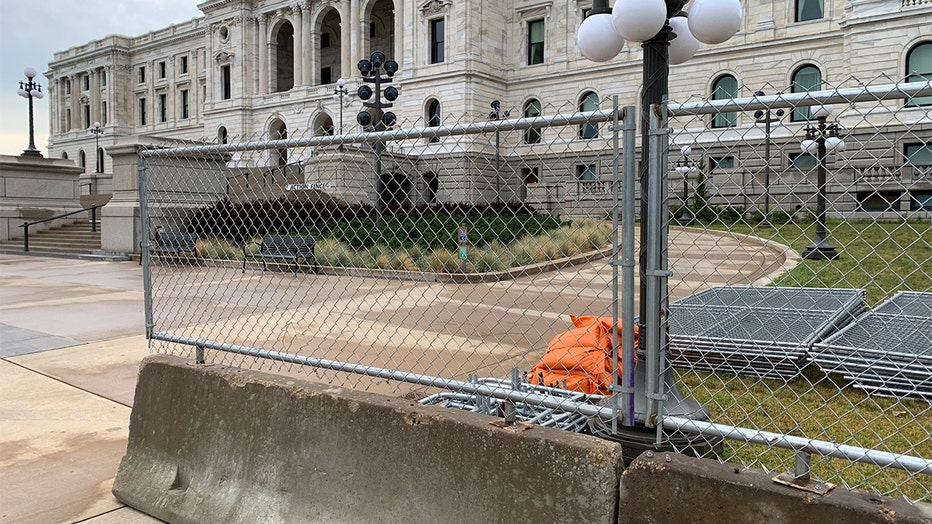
(258, 67)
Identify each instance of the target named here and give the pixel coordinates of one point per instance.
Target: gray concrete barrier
(667, 487)
(220, 444)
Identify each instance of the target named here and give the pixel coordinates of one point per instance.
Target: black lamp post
(372, 70)
(820, 139)
(667, 38)
(29, 90)
(341, 95)
(766, 117)
(498, 114)
(684, 167)
(97, 131)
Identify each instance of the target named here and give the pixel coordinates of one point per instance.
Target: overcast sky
(31, 32)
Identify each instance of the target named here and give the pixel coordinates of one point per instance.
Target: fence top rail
(516, 124)
(809, 98)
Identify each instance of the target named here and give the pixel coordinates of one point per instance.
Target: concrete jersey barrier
(220, 444)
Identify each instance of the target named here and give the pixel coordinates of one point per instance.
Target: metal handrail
(92, 209)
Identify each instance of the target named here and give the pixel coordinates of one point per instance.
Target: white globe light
(715, 21)
(822, 111)
(29, 72)
(639, 20)
(22, 92)
(341, 82)
(833, 143)
(686, 150)
(597, 39)
(685, 45)
(693, 169)
(682, 170)
(809, 146)
(36, 94)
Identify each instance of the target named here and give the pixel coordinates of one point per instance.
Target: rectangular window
(86, 81)
(163, 108)
(142, 111)
(919, 160)
(586, 172)
(68, 119)
(722, 162)
(162, 70)
(535, 42)
(87, 116)
(371, 29)
(324, 40)
(326, 75)
(103, 113)
(436, 41)
(142, 74)
(103, 78)
(809, 10)
(184, 103)
(804, 161)
(183, 65)
(226, 82)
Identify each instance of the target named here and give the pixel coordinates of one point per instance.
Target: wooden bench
(282, 247)
(173, 243)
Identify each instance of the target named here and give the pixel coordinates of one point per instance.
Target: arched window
(284, 57)
(532, 109)
(725, 88)
(279, 131)
(64, 155)
(433, 117)
(82, 158)
(323, 125)
(806, 78)
(589, 101)
(222, 135)
(919, 69)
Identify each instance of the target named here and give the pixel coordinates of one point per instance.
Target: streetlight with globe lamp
(765, 117)
(668, 36)
(97, 131)
(821, 139)
(30, 89)
(684, 167)
(342, 96)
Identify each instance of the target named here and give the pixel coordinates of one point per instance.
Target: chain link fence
(481, 262)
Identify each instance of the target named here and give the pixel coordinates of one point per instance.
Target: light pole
(341, 95)
(372, 70)
(667, 38)
(765, 117)
(29, 90)
(684, 167)
(497, 114)
(821, 139)
(97, 131)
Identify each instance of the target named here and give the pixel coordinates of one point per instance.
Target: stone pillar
(75, 103)
(263, 53)
(119, 219)
(298, 58)
(346, 54)
(355, 40)
(399, 36)
(305, 51)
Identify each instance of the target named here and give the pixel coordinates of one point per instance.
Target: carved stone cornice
(434, 7)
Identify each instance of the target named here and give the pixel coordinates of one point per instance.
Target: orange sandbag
(580, 359)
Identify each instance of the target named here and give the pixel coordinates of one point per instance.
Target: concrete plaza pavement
(72, 338)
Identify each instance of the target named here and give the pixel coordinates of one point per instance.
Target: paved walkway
(71, 339)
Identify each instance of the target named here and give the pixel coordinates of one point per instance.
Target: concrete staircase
(74, 241)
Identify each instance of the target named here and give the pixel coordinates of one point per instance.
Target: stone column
(355, 40)
(75, 103)
(346, 54)
(305, 51)
(263, 53)
(298, 58)
(399, 36)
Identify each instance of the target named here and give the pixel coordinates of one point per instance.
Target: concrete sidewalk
(71, 339)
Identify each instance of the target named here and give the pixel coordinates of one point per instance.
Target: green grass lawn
(882, 258)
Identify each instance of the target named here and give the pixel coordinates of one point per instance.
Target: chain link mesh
(458, 252)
